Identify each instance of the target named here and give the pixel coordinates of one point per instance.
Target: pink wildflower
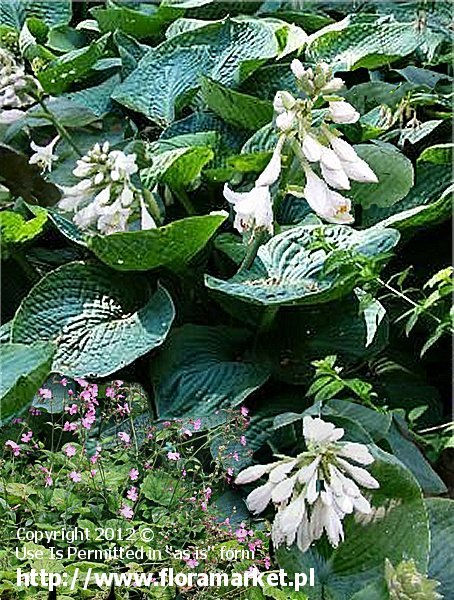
(75, 476)
(70, 451)
(26, 437)
(72, 410)
(132, 494)
(15, 448)
(197, 424)
(243, 440)
(244, 411)
(134, 474)
(126, 512)
(68, 426)
(173, 455)
(45, 393)
(124, 437)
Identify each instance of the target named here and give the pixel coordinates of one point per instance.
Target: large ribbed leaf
(168, 75)
(441, 518)
(52, 12)
(357, 42)
(393, 170)
(171, 246)
(288, 270)
(23, 369)
(99, 320)
(201, 369)
(178, 167)
(397, 529)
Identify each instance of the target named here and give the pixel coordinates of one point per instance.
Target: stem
(401, 295)
(252, 249)
(185, 201)
(59, 127)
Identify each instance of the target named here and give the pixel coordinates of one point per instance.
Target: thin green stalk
(252, 249)
(60, 128)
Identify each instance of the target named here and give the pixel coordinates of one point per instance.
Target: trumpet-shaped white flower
(314, 491)
(342, 112)
(146, 220)
(330, 205)
(286, 120)
(253, 209)
(354, 167)
(312, 148)
(44, 155)
(273, 169)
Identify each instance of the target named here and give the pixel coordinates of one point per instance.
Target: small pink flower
(75, 476)
(207, 493)
(17, 420)
(267, 562)
(204, 506)
(230, 471)
(244, 411)
(63, 381)
(68, 426)
(126, 512)
(236, 457)
(45, 393)
(123, 409)
(93, 472)
(197, 424)
(15, 448)
(134, 474)
(183, 473)
(35, 412)
(124, 437)
(70, 450)
(187, 432)
(110, 392)
(48, 481)
(118, 382)
(132, 494)
(81, 382)
(72, 410)
(26, 437)
(191, 562)
(243, 441)
(173, 455)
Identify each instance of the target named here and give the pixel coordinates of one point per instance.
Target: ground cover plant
(226, 294)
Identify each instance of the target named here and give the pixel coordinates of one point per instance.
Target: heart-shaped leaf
(99, 321)
(201, 369)
(289, 269)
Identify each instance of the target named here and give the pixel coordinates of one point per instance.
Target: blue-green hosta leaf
(134, 22)
(202, 369)
(60, 397)
(288, 271)
(441, 519)
(58, 76)
(351, 44)
(96, 98)
(393, 170)
(234, 107)
(99, 321)
(396, 529)
(52, 12)
(24, 367)
(168, 75)
(428, 202)
(170, 246)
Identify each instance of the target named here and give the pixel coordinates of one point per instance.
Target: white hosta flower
(334, 85)
(146, 220)
(15, 85)
(314, 491)
(360, 171)
(342, 112)
(354, 166)
(286, 120)
(253, 209)
(329, 205)
(273, 169)
(283, 101)
(44, 155)
(312, 148)
(332, 171)
(105, 197)
(297, 69)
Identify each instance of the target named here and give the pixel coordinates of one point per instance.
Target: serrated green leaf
(99, 323)
(23, 367)
(287, 271)
(202, 369)
(170, 246)
(235, 108)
